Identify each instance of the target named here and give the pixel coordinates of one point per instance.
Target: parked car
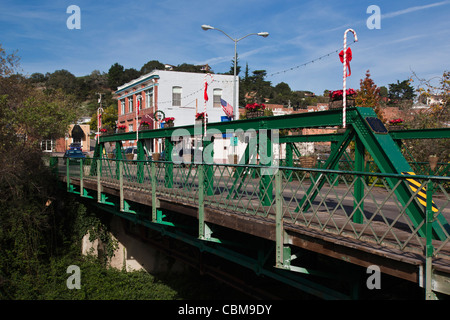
(75, 146)
(74, 156)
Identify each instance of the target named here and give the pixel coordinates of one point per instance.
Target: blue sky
(414, 36)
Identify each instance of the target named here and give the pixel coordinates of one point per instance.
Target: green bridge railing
(389, 204)
(290, 196)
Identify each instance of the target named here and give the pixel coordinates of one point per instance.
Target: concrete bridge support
(133, 253)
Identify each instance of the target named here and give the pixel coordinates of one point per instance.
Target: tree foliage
(109, 118)
(238, 67)
(401, 94)
(62, 79)
(436, 116)
(368, 95)
(8, 62)
(152, 65)
(27, 189)
(401, 90)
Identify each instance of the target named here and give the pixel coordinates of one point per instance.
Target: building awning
(148, 119)
(78, 133)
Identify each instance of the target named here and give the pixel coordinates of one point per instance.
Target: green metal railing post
(54, 165)
(168, 172)
(201, 202)
(265, 152)
(429, 295)
(99, 185)
(120, 168)
(154, 199)
(81, 178)
(118, 156)
(209, 172)
(204, 230)
(68, 175)
(140, 158)
(359, 185)
(279, 229)
(289, 160)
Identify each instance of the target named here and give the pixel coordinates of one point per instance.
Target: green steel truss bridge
(278, 218)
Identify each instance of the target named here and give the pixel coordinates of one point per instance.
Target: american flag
(227, 108)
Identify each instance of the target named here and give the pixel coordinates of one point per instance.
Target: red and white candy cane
(99, 122)
(344, 100)
(206, 99)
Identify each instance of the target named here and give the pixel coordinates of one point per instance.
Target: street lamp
(261, 34)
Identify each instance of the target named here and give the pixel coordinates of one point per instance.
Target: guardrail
(357, 205)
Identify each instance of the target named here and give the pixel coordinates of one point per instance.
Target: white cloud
(413, 9)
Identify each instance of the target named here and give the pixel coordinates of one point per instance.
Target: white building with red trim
(180, 95)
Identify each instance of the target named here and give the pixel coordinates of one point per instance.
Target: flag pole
(138, 98)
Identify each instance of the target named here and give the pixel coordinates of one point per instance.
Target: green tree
(115, 76)
(152, 65)
(282, 94)
(283, 89)
(238, 67)
(401, 94)
(257, 87)
(97, 81)
(130, 74)
(246, 75)
(27, 189)
(37, 77)
(109, 118)
(64, 80)
(401, 90)
(186, 67)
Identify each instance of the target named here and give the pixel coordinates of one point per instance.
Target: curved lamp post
(261, 34)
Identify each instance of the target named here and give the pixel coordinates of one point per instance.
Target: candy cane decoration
(99, 116)
(206, 99)
(344, 102)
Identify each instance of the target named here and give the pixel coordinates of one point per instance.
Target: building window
(176, 96)
(122, 106)
(47, 145)
(130, 104)
(216, 98)
(149, 98)
(130, 127)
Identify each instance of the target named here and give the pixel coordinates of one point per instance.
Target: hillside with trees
(253, 88)
(42, 226)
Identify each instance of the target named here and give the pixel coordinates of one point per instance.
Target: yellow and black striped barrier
(421, 191)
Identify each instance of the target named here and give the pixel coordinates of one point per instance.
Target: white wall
(193, 85)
